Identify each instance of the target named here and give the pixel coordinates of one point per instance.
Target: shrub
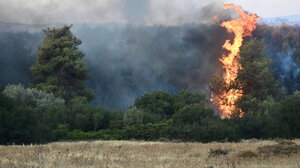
(190, 114)
(148, 131)
(20, 124)
(63, 133)
(35, 98)
(290, 115)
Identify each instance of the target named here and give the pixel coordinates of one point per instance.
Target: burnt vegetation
(55, 100)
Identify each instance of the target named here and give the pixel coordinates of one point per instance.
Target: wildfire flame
(241, 27)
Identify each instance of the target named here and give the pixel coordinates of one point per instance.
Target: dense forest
(55, 91)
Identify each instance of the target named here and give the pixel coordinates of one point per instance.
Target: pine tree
(60, 67)
(257, 78)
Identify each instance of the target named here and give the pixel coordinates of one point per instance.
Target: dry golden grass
(124, 154)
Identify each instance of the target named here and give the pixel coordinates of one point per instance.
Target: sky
(141, 11)
(270, 8)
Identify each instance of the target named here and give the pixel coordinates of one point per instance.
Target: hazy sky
(97, 11)
(140, 11)
(270, 8)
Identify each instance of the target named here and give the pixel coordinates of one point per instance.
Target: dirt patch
(247, 154)
(285, 147)
(218, 152)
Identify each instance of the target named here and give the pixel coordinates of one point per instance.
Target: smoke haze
(148, 12)
(132, 47)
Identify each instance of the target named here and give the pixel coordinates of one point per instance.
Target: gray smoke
(150, 12)
(132, 47)
(129, 62)
(283, 47)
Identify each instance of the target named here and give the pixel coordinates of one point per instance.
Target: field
(128, 154)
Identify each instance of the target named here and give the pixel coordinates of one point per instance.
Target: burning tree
(226, 97)
(256, 80)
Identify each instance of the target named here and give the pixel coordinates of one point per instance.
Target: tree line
(56, 105)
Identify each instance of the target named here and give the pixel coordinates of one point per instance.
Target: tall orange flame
(241, 27)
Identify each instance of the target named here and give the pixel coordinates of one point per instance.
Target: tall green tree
(60, 67)
(256, 79)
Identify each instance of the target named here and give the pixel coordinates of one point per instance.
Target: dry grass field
(127, 154)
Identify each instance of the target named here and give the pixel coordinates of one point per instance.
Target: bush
(289, 115)
(148, 131)
(159, 104)
(81, 115)
(32, 97)
(62, 133)
(207, 131)
(20, 124)
(198, 123)
(193, 114)
(249, 126)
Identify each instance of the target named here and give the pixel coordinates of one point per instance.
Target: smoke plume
(151, 12)
(135, 47)
(132, 47)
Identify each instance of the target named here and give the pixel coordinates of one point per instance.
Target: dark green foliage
(199, 123)
(148, 131)
(80, 115)
(249, 126)
(256, 79)
(289, 115)
(160, 106)
(20, 124)
(60, 68)
(207, 131)
(191, 119)
(219, 130)
(158, 103)
(79, 120)
(62, 133)
(184, 98)
(193, 114)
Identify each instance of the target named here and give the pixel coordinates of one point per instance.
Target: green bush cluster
(193, 122)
